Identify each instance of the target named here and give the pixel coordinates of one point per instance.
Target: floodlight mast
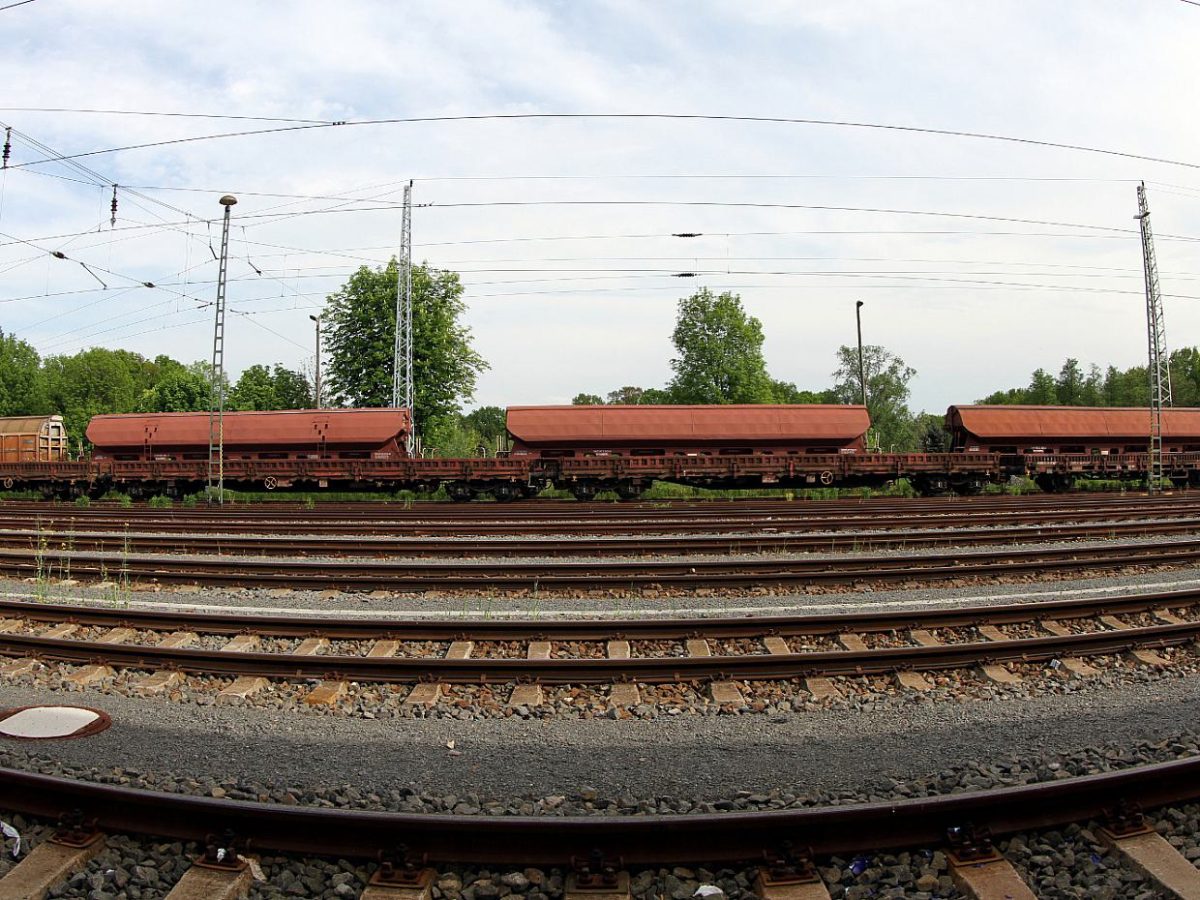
(1156, 333)
(402, 357)
(216, 408)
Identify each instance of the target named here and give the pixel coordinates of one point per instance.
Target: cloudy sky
(978, 260)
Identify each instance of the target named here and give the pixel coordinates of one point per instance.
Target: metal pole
(403, 380)
(862, 377)
(317, 379)
(216, 409)
(1159, 360)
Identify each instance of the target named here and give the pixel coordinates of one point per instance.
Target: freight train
(587, 450)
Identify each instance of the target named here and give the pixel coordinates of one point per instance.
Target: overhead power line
(305, 125)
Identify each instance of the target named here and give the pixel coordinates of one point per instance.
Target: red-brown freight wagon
(1057, 445)
(729, 430)
(276, 434)
(1069, 429)
(589, 449)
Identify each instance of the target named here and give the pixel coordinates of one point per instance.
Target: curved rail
(555, 840)
(755, 540)
(494, 629)
(640, 574)
(643, 669)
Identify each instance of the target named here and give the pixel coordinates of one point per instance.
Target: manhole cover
(40, 723)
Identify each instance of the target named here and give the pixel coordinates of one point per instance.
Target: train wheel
(1053, 484)
(628, 490)
(506, 493)
(584, 490)
(460, 491)
(270, 482)
(8, 484)
(932, 485)
(969, 488)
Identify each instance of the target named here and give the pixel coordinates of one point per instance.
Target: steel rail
(749, 571)
(716, 506)
(440, 629)
(789, 521)
(645, 670)
(645, 545)
(552, 510)
(637, 840)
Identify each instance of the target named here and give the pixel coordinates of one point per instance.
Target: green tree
(1011, 397)
(94, 381)
(932, 436)
(254, 390)
(1043, 390)
(490, 423)
(587, 400)
(656, 397)
(1092, 393)
(360, 335)
(22, 387)
(626, 396)
(1068, 388)
(178, 391)
(720, 352)
(263, 388)
(887, 379)
(1185, 376)
(786, 392)
(292, 390)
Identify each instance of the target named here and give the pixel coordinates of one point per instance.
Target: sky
(978, 260)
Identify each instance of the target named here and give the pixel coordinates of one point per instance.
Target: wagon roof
(1073, 421)
(25, 424)
(542, 424)
(274, 427)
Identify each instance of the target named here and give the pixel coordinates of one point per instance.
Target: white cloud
(582, 321)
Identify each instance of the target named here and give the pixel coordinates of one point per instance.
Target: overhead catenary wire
(305, 125)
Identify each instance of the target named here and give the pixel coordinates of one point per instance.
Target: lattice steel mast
(216, 409)
(1156, 329)
(402, 362)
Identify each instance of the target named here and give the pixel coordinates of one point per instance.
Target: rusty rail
(638, 574)
(646, 670)
(637, 840)
(396, 627)
(755, 540)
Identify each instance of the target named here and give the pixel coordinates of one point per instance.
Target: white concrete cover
(47, 722)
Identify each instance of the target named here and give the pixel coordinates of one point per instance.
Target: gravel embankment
(1067, 862)
(825, 749)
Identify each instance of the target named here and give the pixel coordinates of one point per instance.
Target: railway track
(752, 540)
(758, 572)
(785, 842)
(431, 520)
(600, 652)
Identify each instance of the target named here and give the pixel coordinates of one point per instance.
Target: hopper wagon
(1056, 445)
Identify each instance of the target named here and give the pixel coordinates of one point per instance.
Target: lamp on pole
(862, 372)
(317, 379)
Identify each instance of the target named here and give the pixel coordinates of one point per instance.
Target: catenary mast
(216, 409)
(402, 361)
(1159, 368)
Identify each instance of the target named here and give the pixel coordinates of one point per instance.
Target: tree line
(1108, 387)
(98, 381)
